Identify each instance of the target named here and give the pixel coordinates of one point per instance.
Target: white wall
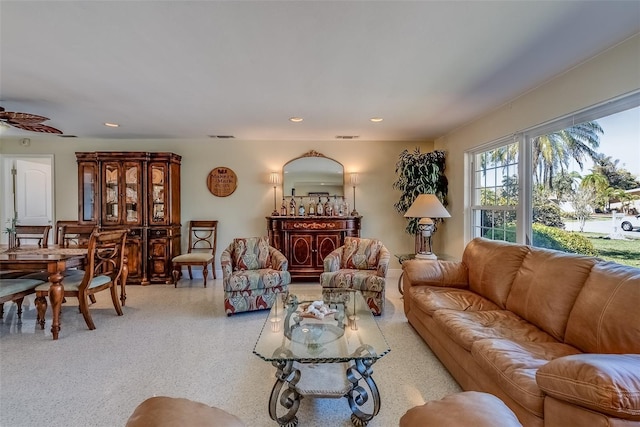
(243, 212)
(608, 75)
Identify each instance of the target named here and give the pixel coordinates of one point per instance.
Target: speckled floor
(178, 342)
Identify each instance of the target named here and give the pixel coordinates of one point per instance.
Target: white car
(630, 223)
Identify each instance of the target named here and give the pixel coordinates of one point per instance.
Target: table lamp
(427, 207)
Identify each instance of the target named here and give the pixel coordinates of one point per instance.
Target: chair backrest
(75, 235)
(249, 253)
(33, 232)
(57, 232)
(106, 255)
(203, 236)
(360, 253)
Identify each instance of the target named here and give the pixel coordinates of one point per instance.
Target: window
(495, 192)
(533, 186)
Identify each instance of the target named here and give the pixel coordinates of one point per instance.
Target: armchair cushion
(250, 253)
(264, 278)
(361, 254)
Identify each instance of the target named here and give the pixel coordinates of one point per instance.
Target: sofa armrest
(606, 383)
(420, 272)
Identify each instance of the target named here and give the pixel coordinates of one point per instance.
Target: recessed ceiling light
(295, 119)
(376, 119)
(112, 125)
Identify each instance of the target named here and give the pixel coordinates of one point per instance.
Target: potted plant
(11, 231)
(419, 173)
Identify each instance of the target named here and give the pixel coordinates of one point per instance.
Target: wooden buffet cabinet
(306, 241)
(138, 191)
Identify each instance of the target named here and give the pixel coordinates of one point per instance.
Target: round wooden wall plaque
(222, 181)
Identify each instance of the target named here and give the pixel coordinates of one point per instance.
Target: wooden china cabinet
(139, 191)
(307, 240)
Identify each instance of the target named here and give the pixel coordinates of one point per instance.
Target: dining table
(54, 260)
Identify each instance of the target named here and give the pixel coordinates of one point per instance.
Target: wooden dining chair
(33, 232)
(75, 235)
(106, 268)
(201, 251)
(57, 232)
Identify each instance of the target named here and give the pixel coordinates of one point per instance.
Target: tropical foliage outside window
(571, 181)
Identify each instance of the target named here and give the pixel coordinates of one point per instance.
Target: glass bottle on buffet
(301, 208)
(341, 207)
(336, 208)
(328, 208)
(319, 207)
(312, 207)
(292, 206)
(283, 208)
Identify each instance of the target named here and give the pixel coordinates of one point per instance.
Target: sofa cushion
(492, 267)
(513, 365)
(602, 382)
(361, 254)
(546, 287)
(604, 318)
(431, 298)
(467, 327)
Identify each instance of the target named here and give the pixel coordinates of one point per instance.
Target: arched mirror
(313, 174)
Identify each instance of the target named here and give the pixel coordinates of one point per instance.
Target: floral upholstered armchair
(359, 264)
(253, 274)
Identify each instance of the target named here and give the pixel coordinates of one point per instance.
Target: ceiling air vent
(222, 136)
(347, 137)
(67, 136)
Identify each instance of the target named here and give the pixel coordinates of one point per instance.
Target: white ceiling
(188, 69)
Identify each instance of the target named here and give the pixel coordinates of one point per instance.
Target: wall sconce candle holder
(274, 178)
(354, 182)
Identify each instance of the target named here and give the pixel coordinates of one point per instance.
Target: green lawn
(621, 251)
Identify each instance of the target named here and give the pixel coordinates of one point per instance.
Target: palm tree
(553, 152)
(600, 186)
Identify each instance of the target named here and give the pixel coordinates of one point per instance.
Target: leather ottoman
(164, 411)
(469, 408)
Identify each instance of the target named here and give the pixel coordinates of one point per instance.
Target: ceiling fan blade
(36, 127)
(21, 117)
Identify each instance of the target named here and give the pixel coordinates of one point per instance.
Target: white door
(33, 190)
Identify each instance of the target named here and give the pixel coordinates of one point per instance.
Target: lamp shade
(354, 178)
(427, 206)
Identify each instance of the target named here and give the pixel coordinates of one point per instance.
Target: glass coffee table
(323, 355)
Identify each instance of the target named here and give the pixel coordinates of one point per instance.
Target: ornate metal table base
(361, 391)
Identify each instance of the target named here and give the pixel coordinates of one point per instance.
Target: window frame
(524, 206)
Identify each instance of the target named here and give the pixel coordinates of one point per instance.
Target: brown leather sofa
(555, 336)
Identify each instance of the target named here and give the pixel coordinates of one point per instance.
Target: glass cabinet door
(158, 193)
(111, 197)
(88, 189)
(133, 184)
